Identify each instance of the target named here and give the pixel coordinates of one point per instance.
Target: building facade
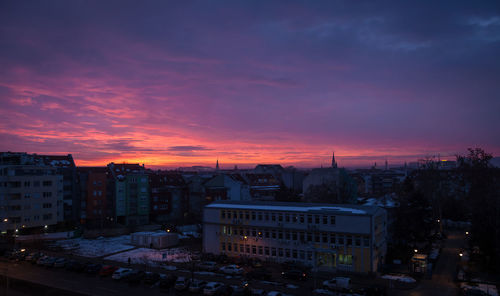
(338, 237)
(30, 193)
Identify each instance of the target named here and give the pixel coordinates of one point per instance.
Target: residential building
(226, 187)
(30, 193)
(169, 197)
(97, 200)
(337, 237)
(130, 193)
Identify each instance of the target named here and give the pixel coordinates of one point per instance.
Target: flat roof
(295, 207)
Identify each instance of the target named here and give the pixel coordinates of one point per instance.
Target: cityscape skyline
(174, 85)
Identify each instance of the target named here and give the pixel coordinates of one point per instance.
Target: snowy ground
(152, 256)
(400, 278)
(96, 247)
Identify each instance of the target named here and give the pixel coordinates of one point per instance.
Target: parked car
(231, 269)
(49, 262)
(224, 290)
(294, 274)
(207, 265)
(35, 257)
(323, 292)
(197, 286)
(29, 257)
(338, 284)
(211, 288)
(107, 270)
(60, 262)
(93, 268)
(135, 277)
(181, 283)
(41, 260)
(151, 278)
(168, 281)
(74, 265)
(259, 273)
(274, 293)
(121, 273)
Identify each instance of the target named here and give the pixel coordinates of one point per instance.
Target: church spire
(334, 163)
(217, 165)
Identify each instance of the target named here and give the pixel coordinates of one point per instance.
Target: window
(36, 183)
(294, 254)
(309, 255)
(349, 241)
(27, 207)
(47, 216)
(273, 217)
(47, 183)
(287, 253)
(280, 252)
(357, 241)
(253, 215)
(273, 234)
(366, 241)
(295, 218)
(345, 259)
(229, 214)
(301, 236)
(325, 219)
(287, 218)
(223, 246)
(309, 237)
(294, 236)
(27, 195)
(47, 194)
(302, 255)
(316, 237)
(260, 216)
(247, 215)
(241, 231)
(260, 250)
(280, 235)
(309, 219)
(47, 205)
(247, 248)
(266, 216)
(254, 232)
(26, 183)
(235, 248)
(266, 251)
(325, 237)
(341, 239)
(242, 248)
(273, 252)
(280, 218)
(301, 218)
(332, 220)
(254, 249)
(287, 235)
(241, 215)
(266, 234)
(316, 219)
(229, 247)
(332, 238)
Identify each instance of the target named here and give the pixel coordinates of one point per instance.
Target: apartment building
(30, 193)
(339, 237)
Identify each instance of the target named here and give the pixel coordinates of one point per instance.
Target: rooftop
(295, 207)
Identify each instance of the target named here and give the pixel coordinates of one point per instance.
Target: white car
(338, 283)
(211, 288)
(181, 283)
(207, 265)
(231, 269)
(121, 273)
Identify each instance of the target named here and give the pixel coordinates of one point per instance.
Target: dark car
(224, 290)
(150, 278)
(259, 274)
(135, 277)
(74, 265)
(168, 282)
(295, 274)
(93, 268)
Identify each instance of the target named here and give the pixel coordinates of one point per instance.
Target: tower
(334, 163)
(217, 165)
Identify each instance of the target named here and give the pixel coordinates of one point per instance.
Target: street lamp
(5, 220)
(460, 254)
(466, 233)
(416, 251)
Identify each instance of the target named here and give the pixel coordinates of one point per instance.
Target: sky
(181, 83)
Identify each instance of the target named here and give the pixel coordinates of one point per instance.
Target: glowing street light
(46, 226)
(460, 254)
(416, 251)
(5, 220)
(466, 233)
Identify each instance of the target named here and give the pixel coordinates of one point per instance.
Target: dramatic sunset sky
(180, 83)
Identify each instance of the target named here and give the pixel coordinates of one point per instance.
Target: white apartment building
(30, 196)
(340, 237)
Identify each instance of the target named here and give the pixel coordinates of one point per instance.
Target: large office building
(30, 193)
(339, 237)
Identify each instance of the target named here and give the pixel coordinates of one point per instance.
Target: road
(442, 282)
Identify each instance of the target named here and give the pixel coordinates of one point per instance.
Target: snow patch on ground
(101, 246)
(152, 256)
(400, 278)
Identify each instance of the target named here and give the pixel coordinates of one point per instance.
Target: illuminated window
(345, 259)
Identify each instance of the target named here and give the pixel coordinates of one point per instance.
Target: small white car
(181, 283)
(211, 288)
(338, 283)
(121, 273)
(231, 269)
(207, 265)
